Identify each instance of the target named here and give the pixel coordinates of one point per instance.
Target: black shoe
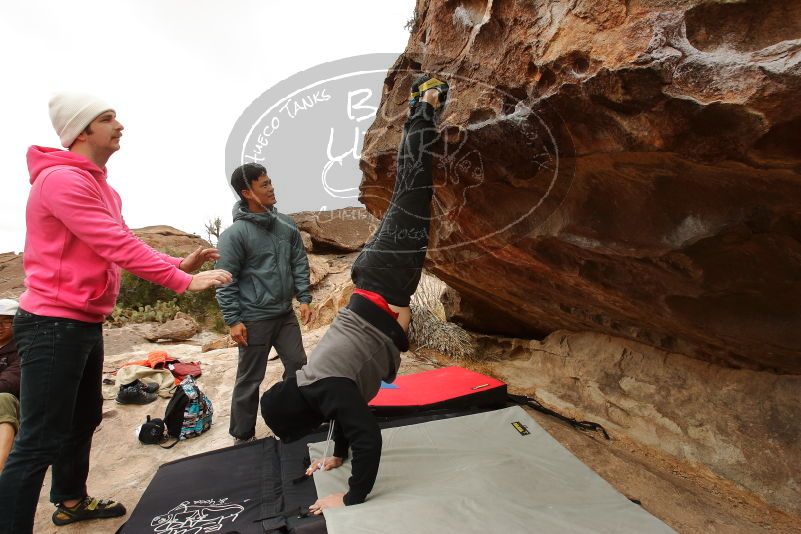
(88, 508)
(150, 387)
(135, 393)
(423, 84)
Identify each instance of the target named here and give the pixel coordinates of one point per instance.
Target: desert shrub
(429, 326)
(412, 23)
(213, 228)
(160, 311)
(141, 301)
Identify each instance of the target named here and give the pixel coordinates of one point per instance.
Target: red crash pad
(449, 387)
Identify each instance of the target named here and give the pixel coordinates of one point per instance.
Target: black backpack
(189, 412)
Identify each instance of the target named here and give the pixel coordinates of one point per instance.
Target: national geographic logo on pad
(520, 427)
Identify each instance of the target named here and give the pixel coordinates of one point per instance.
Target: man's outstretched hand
(334, 500)
(207, 279)
(195, 261)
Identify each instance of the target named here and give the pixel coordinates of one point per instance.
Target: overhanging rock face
(632, 168)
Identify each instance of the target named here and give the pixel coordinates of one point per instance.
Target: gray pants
(283, 333)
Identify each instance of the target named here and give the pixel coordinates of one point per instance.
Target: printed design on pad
(198, 517)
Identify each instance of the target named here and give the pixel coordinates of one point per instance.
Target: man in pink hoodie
(75, 246)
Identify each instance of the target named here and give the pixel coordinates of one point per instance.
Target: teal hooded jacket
(264, 253)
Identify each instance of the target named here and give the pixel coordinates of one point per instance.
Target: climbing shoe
(88, 508)
(135, 393)
(423, 84)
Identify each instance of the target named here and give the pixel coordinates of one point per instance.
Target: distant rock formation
(181, 328)
(163, 238)
(171, 240)
(11, 275)
(631, 168)
(342, 230)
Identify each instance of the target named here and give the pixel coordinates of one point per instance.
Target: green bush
(160, 311)
(141, 301)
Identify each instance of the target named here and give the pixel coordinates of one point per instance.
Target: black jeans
(61, 403)
(391, 263)
(283, 333)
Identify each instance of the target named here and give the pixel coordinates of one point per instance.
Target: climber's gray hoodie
(265, 255)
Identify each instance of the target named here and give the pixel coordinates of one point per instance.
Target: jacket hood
(41, 158)
(265, 218)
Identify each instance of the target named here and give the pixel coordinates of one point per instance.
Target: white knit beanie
(71, 113)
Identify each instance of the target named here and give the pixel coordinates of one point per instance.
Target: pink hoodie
(77, 241)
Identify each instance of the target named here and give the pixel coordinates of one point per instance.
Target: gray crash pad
(495, 471)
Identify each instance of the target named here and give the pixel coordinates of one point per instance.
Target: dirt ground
(688, 499)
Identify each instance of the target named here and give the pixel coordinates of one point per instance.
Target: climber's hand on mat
(240, 334)
(335, 500)
(332, 462)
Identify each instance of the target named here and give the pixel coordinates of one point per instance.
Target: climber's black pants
(391, 263)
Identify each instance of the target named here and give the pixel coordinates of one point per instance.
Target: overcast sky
(179, 74)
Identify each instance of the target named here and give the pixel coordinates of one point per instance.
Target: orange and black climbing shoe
(88, 508)
(423, 84)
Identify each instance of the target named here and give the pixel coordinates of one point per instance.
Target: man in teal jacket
(264, 253)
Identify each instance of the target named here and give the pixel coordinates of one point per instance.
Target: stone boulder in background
(307, 241)
(181, 328)
(342, 230)
(318, 269)
(11, 275)
(167, 238)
